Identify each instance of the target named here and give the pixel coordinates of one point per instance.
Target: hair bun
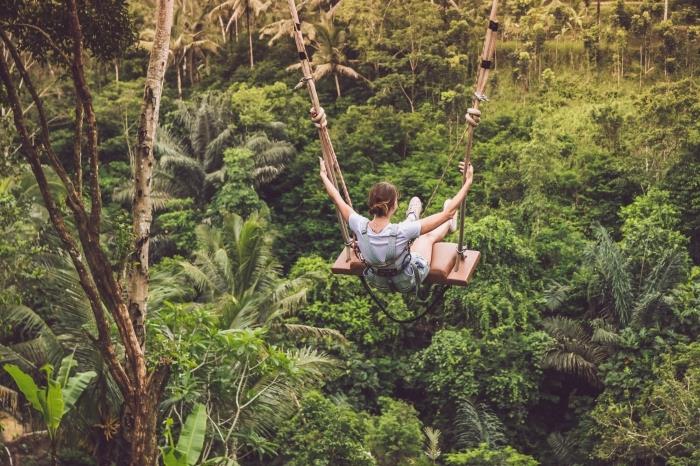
(380, 209)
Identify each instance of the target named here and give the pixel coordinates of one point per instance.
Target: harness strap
(374, 263)
(391, 253)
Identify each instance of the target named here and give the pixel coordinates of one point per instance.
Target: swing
(451, 263)
(447, 266)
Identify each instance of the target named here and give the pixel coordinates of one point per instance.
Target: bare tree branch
(69, 244)
(85, 97)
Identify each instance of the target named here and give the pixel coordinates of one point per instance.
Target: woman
(385, 245)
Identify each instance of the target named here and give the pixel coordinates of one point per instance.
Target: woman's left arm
(343, 207)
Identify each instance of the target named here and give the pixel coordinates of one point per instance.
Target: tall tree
(236, 9)
(330, 42)
(62, 33)
(191, 41)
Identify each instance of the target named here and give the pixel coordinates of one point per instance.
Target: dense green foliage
(575, 343)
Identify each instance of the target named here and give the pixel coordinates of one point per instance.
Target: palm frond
(563, 448)
(199, 278)
(22, 319)
(556, 295)
(571, 362)
(315, 332)
(612, 284)
(658, 284)
(216, 146)
(478, 424)
(8, 398)
(565, 328)
(604, 334)
(432, 443)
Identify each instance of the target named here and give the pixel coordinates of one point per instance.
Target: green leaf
(191, 438)
(174, 458)
(26, 385)
(54, 407)
(67, 364)
(75, 387)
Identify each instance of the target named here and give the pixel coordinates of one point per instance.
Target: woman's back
(381, 242)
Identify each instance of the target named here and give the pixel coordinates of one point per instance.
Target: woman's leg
(423, 245)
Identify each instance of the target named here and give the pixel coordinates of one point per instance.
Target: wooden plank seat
(442, 265)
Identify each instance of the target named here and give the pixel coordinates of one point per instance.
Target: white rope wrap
(473, 117)
(319, 118)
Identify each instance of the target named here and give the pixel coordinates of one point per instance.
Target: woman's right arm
(431, 222)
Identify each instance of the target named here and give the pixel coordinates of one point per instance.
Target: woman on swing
(398, 255)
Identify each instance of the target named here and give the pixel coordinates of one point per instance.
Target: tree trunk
(190, 67)
(144, 399)
(337, 84)
(641, 64)
(250, 37)
(140, 420)
(142, 209)
(597, 12)
(665, 10)
(178, 67)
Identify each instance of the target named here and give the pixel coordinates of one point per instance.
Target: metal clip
(302, 82)
(481, 97)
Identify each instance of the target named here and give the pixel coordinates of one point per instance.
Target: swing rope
(319, 117)
(453, 152)
(474, 115)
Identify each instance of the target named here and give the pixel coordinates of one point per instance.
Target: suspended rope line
(319, 117)
(453, 152)
(474, 115)
(437, 297)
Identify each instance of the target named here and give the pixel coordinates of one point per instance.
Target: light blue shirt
(408, 230)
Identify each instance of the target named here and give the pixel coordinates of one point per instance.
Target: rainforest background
(576, 342)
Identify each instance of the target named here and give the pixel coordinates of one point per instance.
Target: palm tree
(310, 10)
(329, 58)
(191, 40)
(618, 289)
(579, 348)
(206, 126)
(236, 9)
(235, 271)
(269, 156)
(191, 165)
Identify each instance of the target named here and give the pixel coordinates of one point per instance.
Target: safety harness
(386, 275)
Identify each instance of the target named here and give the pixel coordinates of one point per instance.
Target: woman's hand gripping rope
(470, 173)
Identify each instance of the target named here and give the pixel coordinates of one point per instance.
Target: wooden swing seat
(442, 265)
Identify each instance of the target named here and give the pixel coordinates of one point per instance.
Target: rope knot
(473, 117)
(319, 118)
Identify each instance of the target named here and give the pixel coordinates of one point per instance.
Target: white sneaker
(415, 207)
(453, 220)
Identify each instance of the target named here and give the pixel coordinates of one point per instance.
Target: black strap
(493, 25)
(486, 64)
(382, 306)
